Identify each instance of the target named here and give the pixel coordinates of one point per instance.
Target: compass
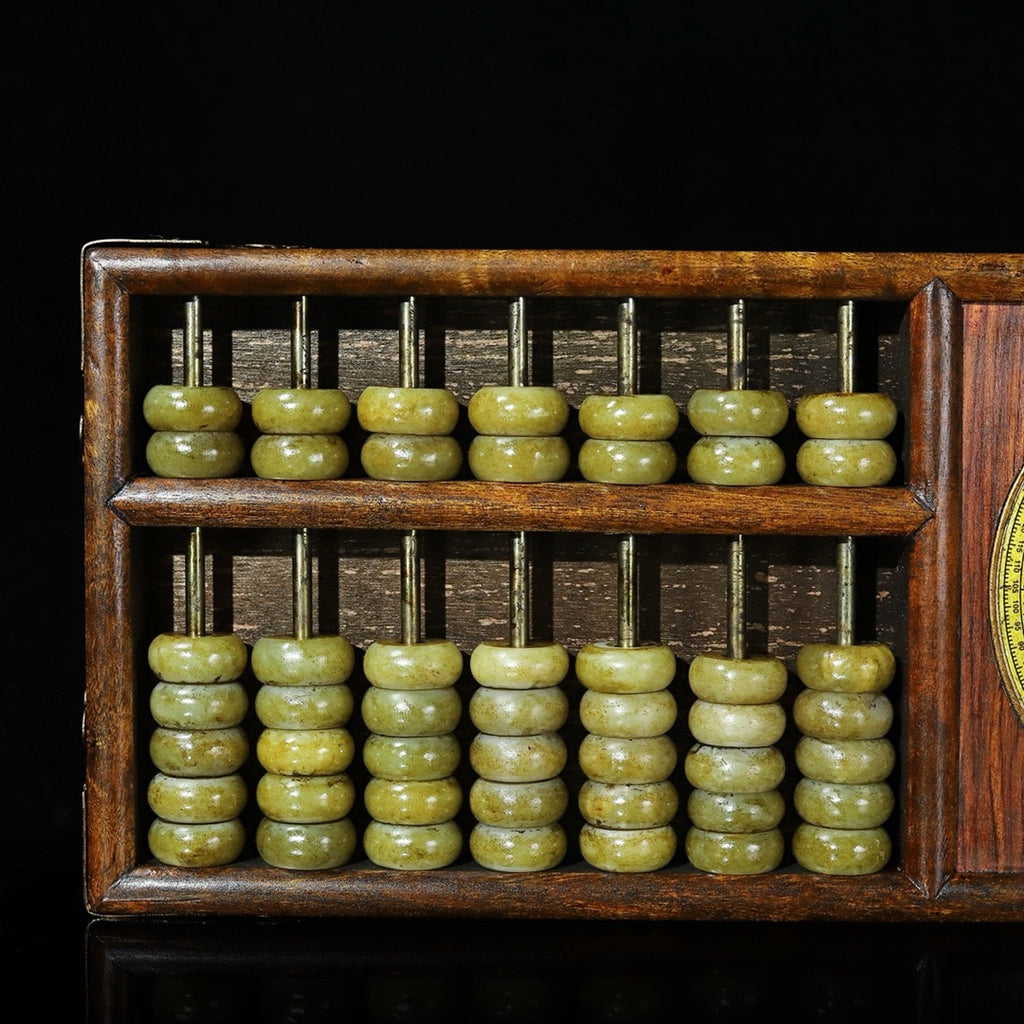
(1006, 595)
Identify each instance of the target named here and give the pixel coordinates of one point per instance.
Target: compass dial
(1006, 594)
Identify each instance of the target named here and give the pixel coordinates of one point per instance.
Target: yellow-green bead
(628, 850)
(518, 712)
(518, 411)
(514, 459)
(301, 410)
(412, 847)
(615, 759)
(606, 461)
(305, 751)
(420, 802)
(519, 668)
(195, 455)
(426, 665)
(835, 851)
(740, 853)
(190, 408)
(848, 761)
(304, 707)
(734, 769)
(736, 725)
(628, 805)
(607, 668)
(517, 850)
(844, 805)
(629, 417)
(198, 705)
(303, 661)
(305, 799)
(736, 461)
(628, 714)
(842, 716)
(207, 658)
(518, 804)
(735, 812)
(411, 757)
(196, 753)
(721, 680)
(424, 411)
(846, 668)
(299, 456)
(845, 463)
(194, 801)
(737, 413)
(306, 847)
(411, 712)
(203, 845)
(851, 415)
(410, 457)
(518, 758)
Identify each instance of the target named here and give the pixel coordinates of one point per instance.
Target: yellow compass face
(1006, 594)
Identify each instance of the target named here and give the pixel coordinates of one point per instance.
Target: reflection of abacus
(940, 323)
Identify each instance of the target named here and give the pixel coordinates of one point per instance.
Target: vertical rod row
(736, 588)
(408, 377)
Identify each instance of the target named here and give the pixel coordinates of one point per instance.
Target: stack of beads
(199, 745)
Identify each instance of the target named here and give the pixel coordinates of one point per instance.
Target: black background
(854, 127)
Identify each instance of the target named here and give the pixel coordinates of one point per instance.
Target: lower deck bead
(305, 751)
(630, 715)
(411, 757)
(518, 758)
(736, 725)
(301, 410)
(845, 761)
(198, 753)
(304, 707)
(194, 801)
(628, 805)
(188, 408)
(836, 851)
(518, 849)
(740, 853)
(411, 457)
(426, 665)
(736, 461)
(845, 463)
(528, 667)
(629, 417)
(303, 661)
(527, 460)
(198, 705)
(735, 812)
(607, 461)
(842, 716)
(844, 805)
(203, 658)
(306, 847)
(518, 712)
(518, 804)
(846, 668)
(734, 769)
(195, 455)
(206, 845)
(411, 712)
(428, 802)
(412, 847)
(299, 456)
(628, 850)
(303, 799)
(613, 759)
(721, 680)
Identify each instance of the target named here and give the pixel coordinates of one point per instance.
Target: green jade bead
(515, 459)
(198, 753)
(615, 759)
(834, 851)
(628, 806)
(411, 712)
(734, 769)
(304, 707)
(195, 801)
(845, 761)
(519, 668)
(735, 812)
(518, 804)
(736, 461)
(737, 413)
(204, 845)
(410, 457)
(413, 758)
(299, 456)
(628, 850)
(518, 712)
(412, 847)
(845, 463)
(301, 411)
(721, 680)
(736, 725)
(303, 661)
(852, 415)
(305, 751)
(631, 715)
(739, 853)
(607, 668)
(844, 805)
(428, 802)
(195, 455)
(305, 800)
(198, 705)
(518, 411)
(206, 658)
(629, 417)
(846, 668)
(319, 846)
(518, 758)
(421, 411)
(189, 409)
(607, 461)
(427, 665)
(842, 716)
(518, 849)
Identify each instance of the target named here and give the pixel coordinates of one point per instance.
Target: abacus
(770, 669)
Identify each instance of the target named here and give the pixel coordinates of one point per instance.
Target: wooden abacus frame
(959, 829)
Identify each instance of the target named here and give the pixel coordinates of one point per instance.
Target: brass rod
(519, 591)
(737, 599)
(845, 566)
(410, 585)
(302, 585)
(517, 342)
(629, 617)
(192, 367)
(408, 359)
(195, 584)
(627, 348)
(301, 361)
(845, 331)
(737, 353)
